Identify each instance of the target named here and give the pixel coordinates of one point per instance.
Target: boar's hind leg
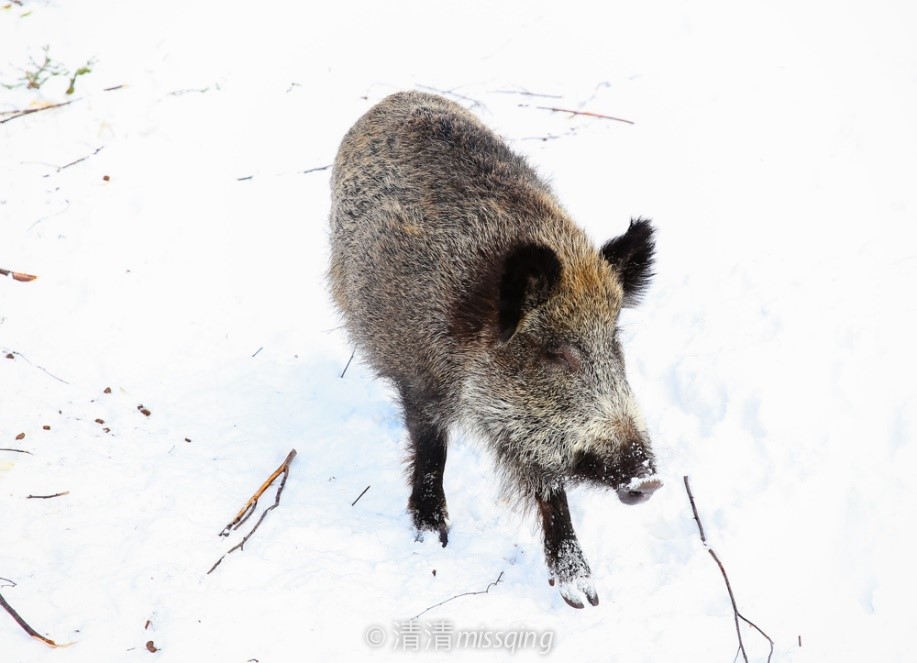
(427, 460)
(562, 551)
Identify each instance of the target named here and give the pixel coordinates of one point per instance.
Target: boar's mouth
(632, 475)
(639, 489)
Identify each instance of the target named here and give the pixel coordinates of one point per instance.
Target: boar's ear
(531, 273)
(631, 255)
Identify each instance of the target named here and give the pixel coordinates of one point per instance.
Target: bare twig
(348, 362)
(19, 451)
(44, 370)
(354, 503)
(17, 276)
(28, 111)
(737, 615)
(47, 497)
(28, 629)
(451, 93)
(252, 503)
(81, 159)
(526, 93)
(452, 598)
(315, 170)
(586, 113)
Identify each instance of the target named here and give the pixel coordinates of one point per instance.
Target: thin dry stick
(457, 596)
(316, 170)
(738, 615)
(28, 629)
(348, 363)
(29, 111)
(17, 276)
(354, 503)
(40, 368)
(586, 113)
(81, 159)
(18, 451)
(47, 497)
(526, 93)
(252, 503)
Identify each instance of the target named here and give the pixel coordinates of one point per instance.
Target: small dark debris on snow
(145, 412)
(151, 647)
(100, 421)
(107, 390)
(46, 427)
(10, 355)
(21, 436)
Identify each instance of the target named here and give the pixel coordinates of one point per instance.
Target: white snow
(775, 147)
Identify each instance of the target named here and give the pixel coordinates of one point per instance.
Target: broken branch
(28, 629)
(249, 507)
(737, 615)
(252, 504)
(17, 276)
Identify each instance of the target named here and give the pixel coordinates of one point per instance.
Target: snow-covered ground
(181, 265)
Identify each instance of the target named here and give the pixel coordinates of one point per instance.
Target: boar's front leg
(427, 462)
(562, 551)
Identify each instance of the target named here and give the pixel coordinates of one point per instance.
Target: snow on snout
(639, 489)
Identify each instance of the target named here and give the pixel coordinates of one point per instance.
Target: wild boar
(461, 279)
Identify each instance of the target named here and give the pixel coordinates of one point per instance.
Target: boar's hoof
(639, 489)
(572, 591)
(443, 535)
(430, 515)
(440, 525)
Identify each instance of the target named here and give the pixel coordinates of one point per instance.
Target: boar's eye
(564, 356)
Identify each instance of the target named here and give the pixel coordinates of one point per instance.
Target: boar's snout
(639, 489)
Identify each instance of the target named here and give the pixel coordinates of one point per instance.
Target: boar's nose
(639, 489)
